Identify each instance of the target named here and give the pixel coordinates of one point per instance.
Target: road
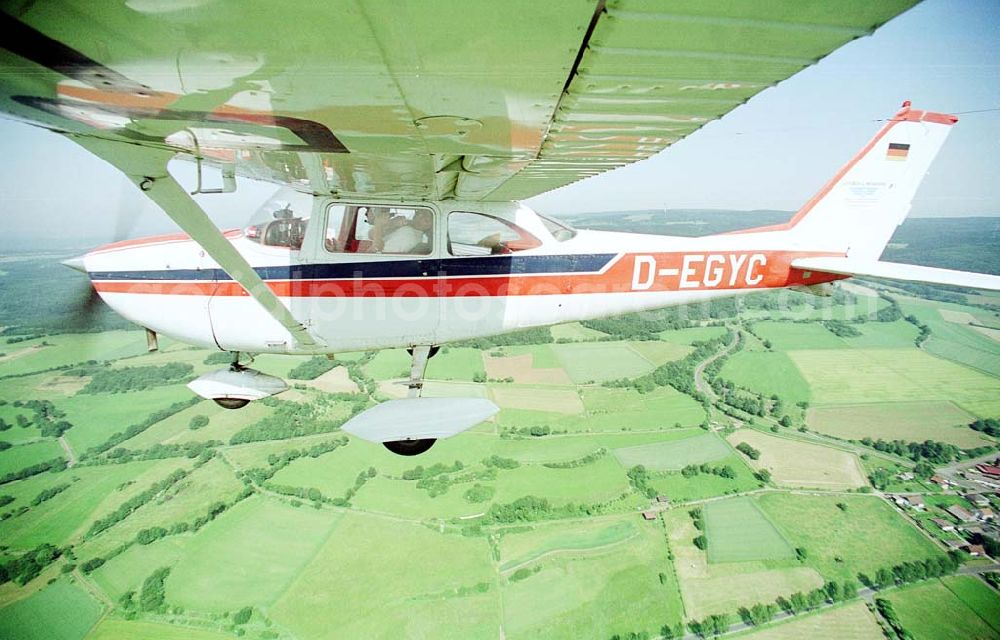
(699, 371)
(68, 450)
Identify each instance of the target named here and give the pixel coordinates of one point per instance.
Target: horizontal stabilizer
(419, 418)
(896, 271)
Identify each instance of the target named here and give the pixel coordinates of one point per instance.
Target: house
(943, 524)
(977, 550)
(961, 513)
(940, 480)
(664, 500)
(906, 476)
(990, 470)
(972, 529)
(900, 501)
(984, 514)
(649, 515)
(917, 502)
(977, 499)
(956, 544)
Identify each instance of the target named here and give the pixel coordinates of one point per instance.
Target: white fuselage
(352, 301)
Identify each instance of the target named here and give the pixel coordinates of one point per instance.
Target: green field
(936, 611)
(248, 556)
(454, 364)
(678, 488)
(767, 373)
(59, 350)
(692, 447)
(600, 361)
(576, 332)
(585, 591)
(60, 611)
(952, 340)
(524, 548)
(95, 417)
(693, 334)
(842, 376)
(423, 571)
(613, 410)
(716, 587)
(114, 629)
(828, 533)
(739, 531)
(787, 336)
(912, 421)
(92, 492)
(977, 596)
(25, 455)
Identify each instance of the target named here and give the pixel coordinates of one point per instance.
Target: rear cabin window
(379, 229)
(477, 234)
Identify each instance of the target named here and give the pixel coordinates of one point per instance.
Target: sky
(772, 153)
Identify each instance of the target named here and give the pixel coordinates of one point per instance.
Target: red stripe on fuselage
(633, 273)
(169, 238)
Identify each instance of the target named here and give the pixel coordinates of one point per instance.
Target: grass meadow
(767, 373)
(914, 421)
(688, 447)
(853, 376)
(592, 581)
(840, 543)
(723, 587)
(931, 610)
(738, 531)
(60, 611)
(419, 570)
(116, 629)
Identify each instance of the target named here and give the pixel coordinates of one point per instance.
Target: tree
(197, 422)
(243, 615)
(923, 470)
(833, 592)
(152, 596)
(701, 542)
(799, 602)
(849, 590)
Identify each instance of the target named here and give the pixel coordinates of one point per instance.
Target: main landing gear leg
(421, 355)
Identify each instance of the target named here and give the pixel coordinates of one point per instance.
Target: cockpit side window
(477, 234)
(379, 229)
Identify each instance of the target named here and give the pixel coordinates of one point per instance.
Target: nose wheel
(409, 447)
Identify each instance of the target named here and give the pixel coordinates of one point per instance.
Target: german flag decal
(897, 151)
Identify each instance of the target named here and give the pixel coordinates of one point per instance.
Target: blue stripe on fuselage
(375, 269)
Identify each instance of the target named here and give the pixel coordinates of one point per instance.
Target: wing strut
(147, 168)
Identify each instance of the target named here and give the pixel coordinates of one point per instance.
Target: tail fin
(860, 208)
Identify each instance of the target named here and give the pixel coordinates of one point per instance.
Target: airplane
(404, 136)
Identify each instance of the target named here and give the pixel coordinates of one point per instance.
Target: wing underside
(409, 99)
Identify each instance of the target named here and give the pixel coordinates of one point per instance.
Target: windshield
(282, 220)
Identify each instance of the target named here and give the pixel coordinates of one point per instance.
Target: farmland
(941, 610)
(794, 463)
(529, 524)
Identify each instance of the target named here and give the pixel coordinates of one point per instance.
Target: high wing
(468, 99)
